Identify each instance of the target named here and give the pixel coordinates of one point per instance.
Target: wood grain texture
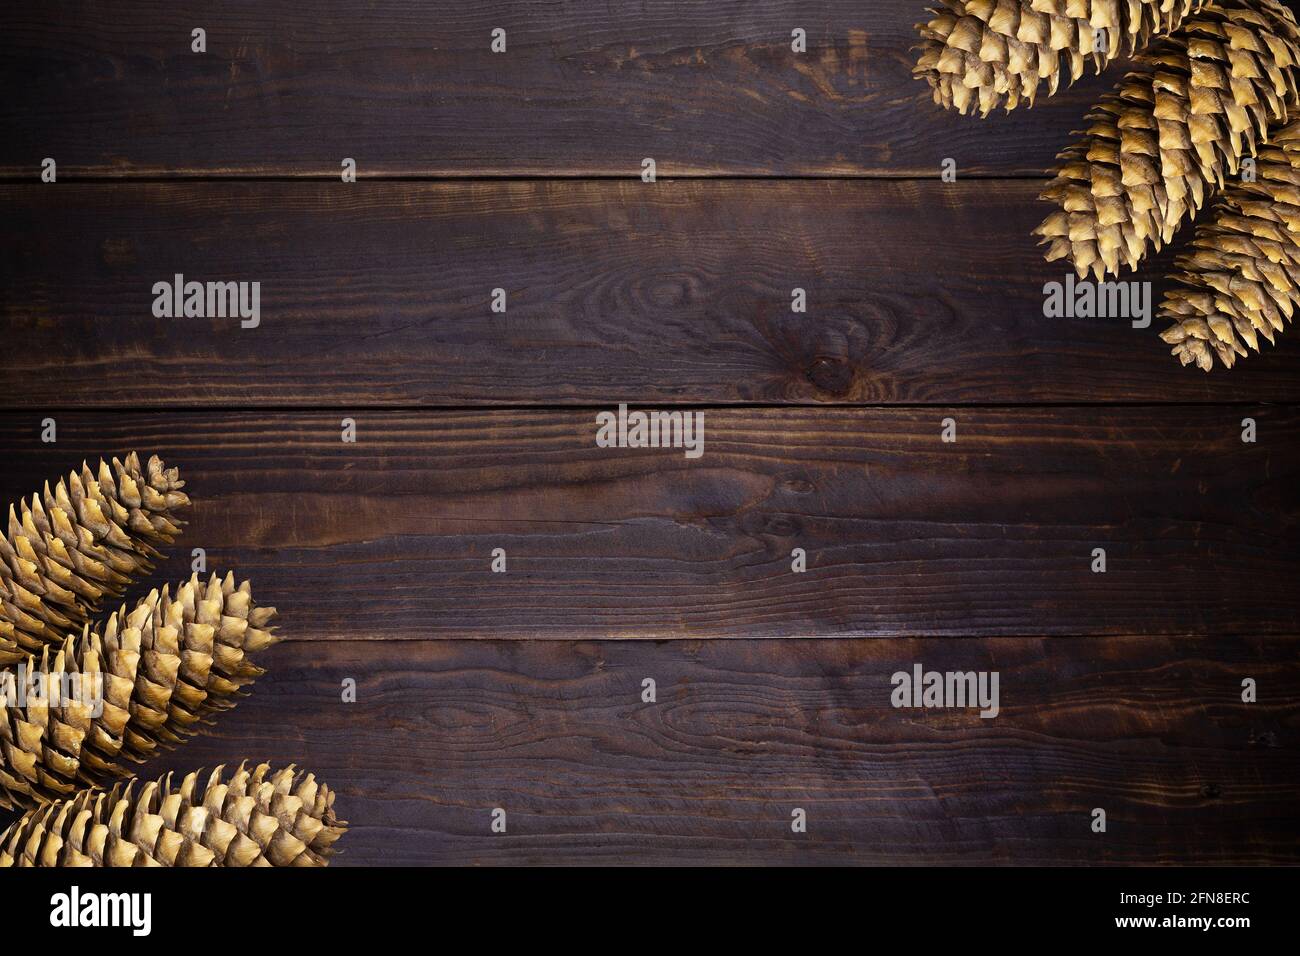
(1151, 729)
(408, 87)
(905, 535)
(522, 690)
(379, 294)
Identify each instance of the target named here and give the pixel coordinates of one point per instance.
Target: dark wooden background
(476, 431)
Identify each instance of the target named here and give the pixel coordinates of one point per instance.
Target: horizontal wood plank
(905, 535)
(409, 87)
(1152, 730)
(380, 294)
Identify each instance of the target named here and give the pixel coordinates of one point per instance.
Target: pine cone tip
(79, 542)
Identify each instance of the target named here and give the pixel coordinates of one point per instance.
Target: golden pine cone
(1241, 276)
(80, 543)
(1168, 135)
(256, 818)
(986, 54)
(157, 670)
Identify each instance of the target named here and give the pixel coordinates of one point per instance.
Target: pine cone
(1241, 275)
(1165, 137)
(78, 544)
(995, 53)
(256, 818)
(157, 671)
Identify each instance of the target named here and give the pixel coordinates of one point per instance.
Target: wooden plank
(905, 535)
(1150, 729)
(408, 87)
(677, 292)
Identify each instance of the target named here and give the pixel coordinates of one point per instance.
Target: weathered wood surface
(522, 690)
(408, 87)
(905, 535)
(1153, 730)
(672, 292)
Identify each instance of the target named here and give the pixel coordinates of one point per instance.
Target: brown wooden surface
(408, 87)
(1150, 729)
(905, 535)
(522, 690)
(672, 292)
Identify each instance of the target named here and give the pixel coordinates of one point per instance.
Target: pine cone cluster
(1214, 81)
(80, 701)
(1241, 277)
(256, 818)
(1168, 137)
(989, 54)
